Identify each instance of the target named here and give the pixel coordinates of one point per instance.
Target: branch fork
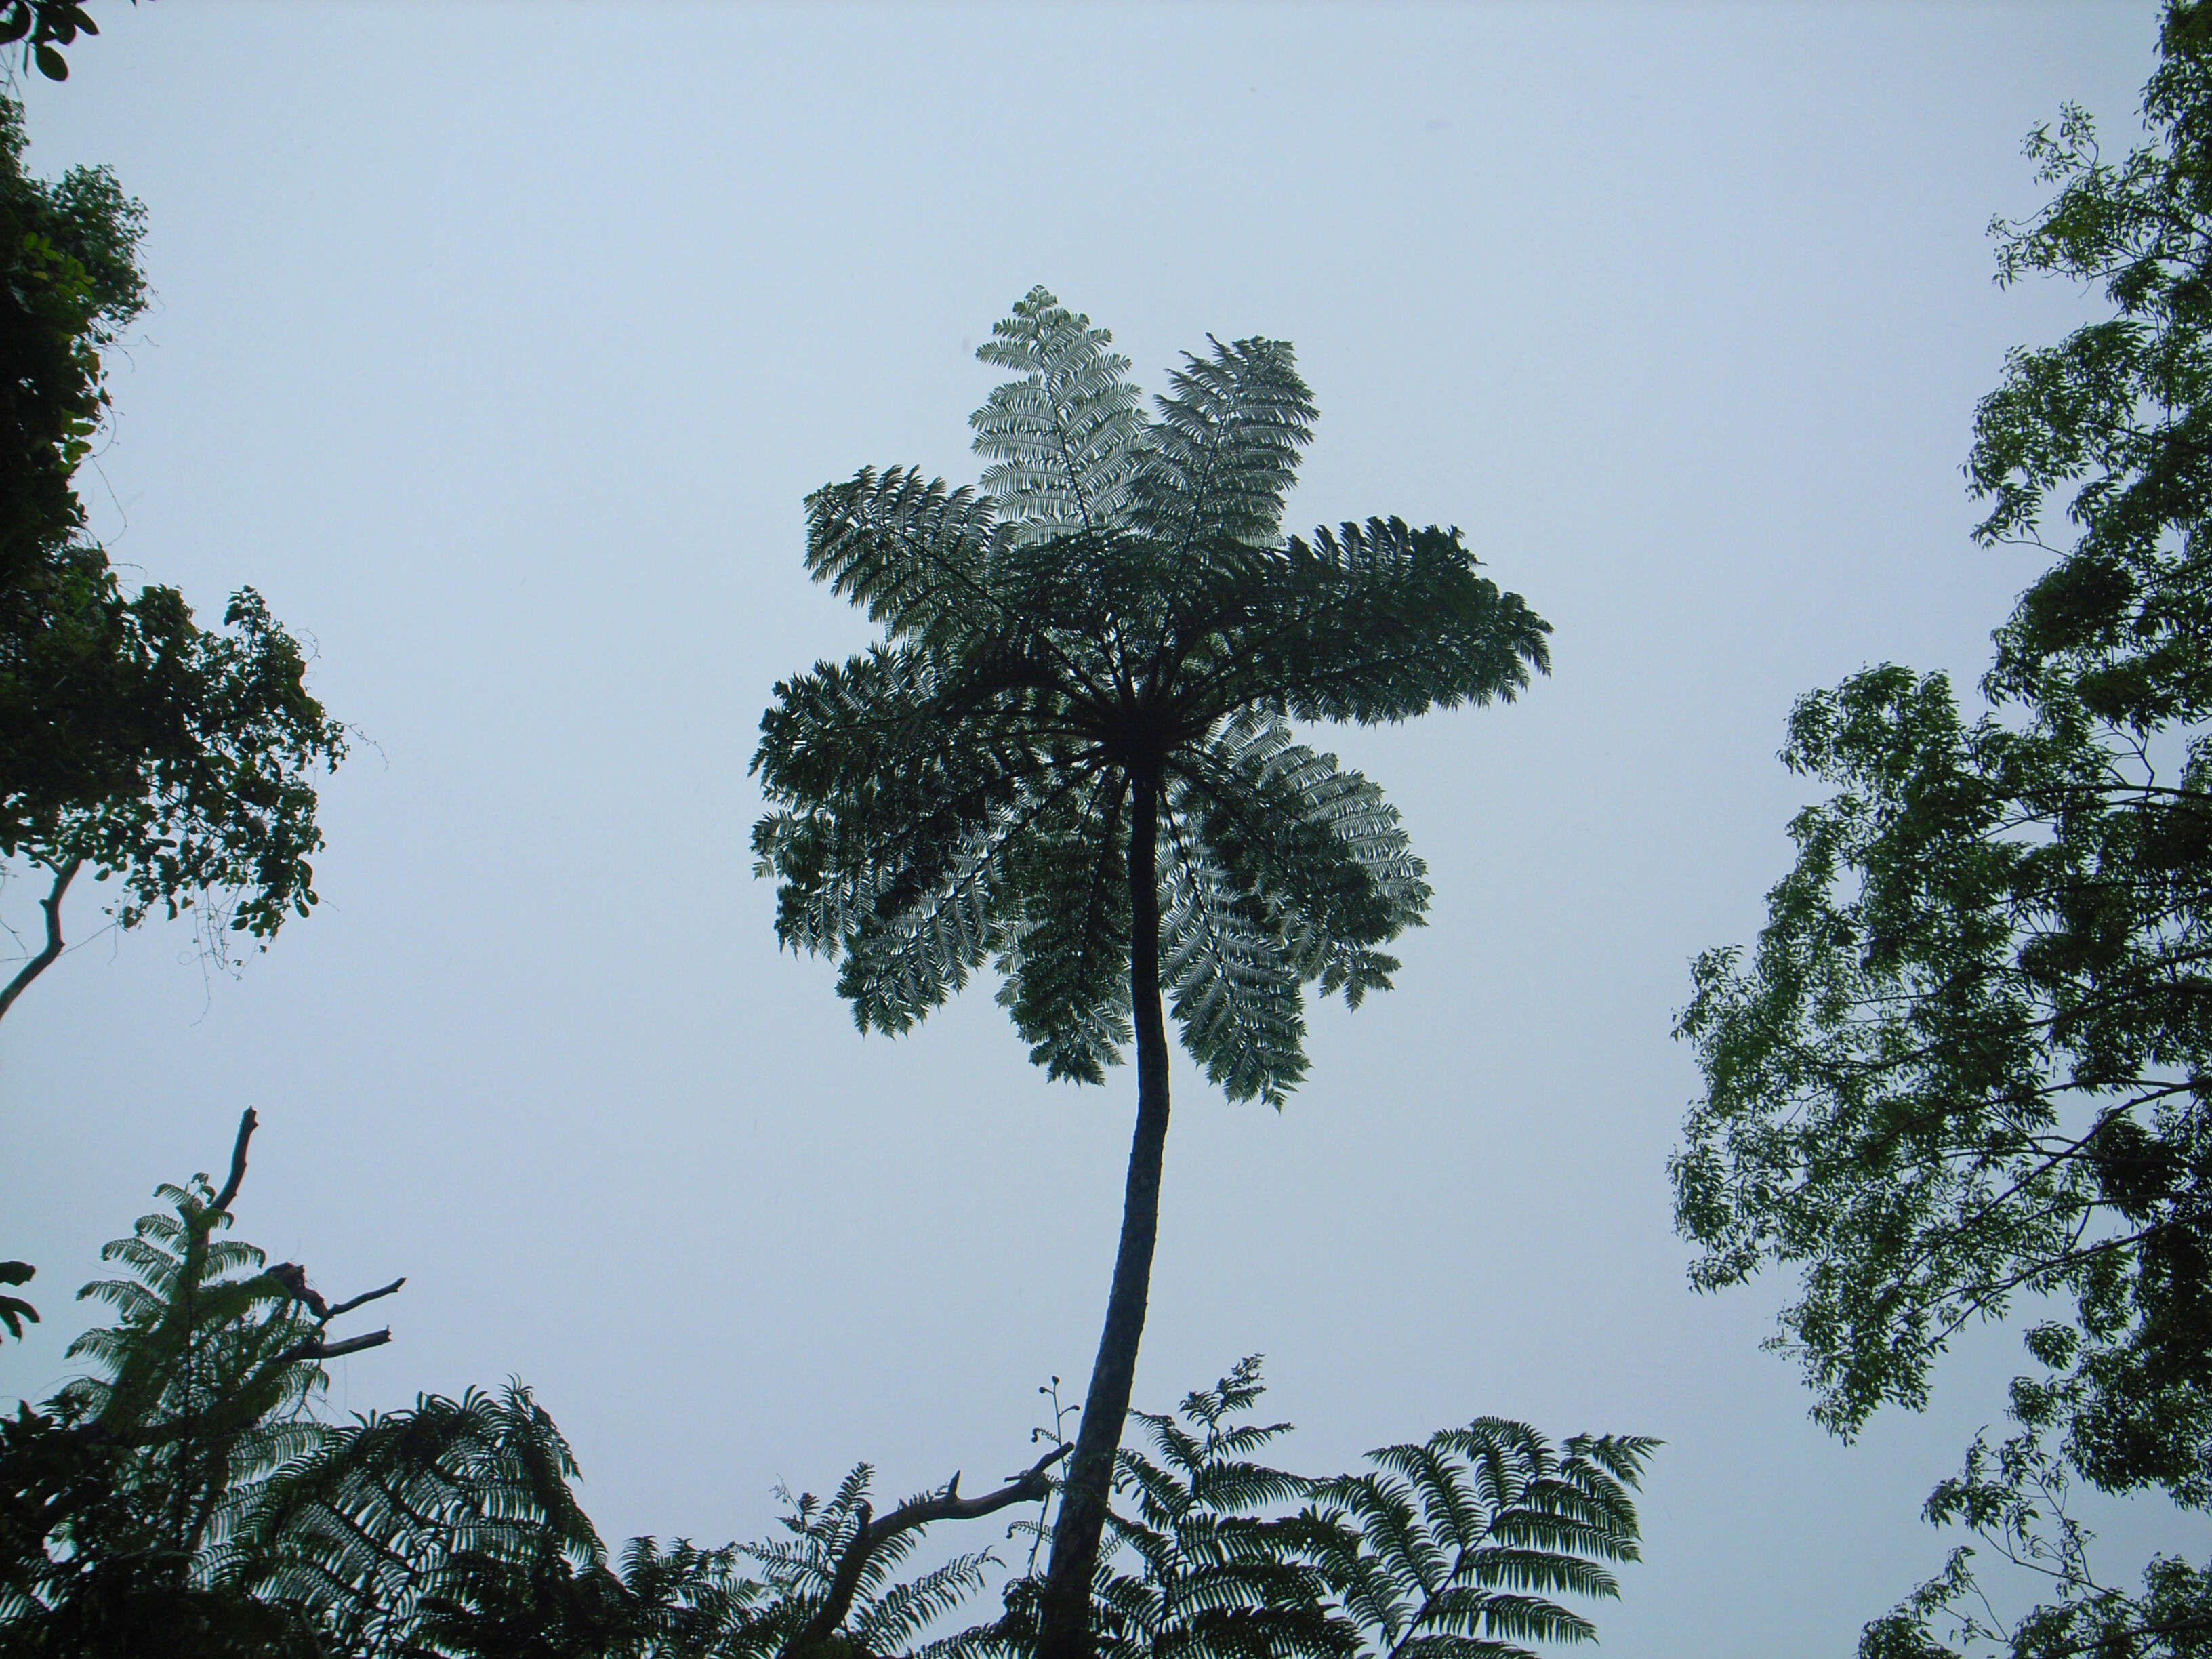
(293, 1277)
(1032, 1486)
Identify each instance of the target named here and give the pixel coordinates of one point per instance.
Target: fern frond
(1550, 1569)
(1230, 988)
(1370, 622)
(1225, 452)
(1066, 438)
(1327, 852)
(1451, 1546)
(913, 555)
(893, 1618)
(1212, 1578)
(1066, 963)
(899, 863)
(406, 1521)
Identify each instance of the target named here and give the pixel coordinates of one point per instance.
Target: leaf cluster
(1966, 1068)
(70, 252)
(2012, 1499)
(44, 27)
(1968, 1059)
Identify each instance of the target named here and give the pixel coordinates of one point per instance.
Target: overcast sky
(498, 346)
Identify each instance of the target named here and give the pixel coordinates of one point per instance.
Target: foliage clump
(176, 758)
(1968, 1063)
(188, 1495)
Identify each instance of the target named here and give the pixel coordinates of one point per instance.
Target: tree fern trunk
(1065, 1612)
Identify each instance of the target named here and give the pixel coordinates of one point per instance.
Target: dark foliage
(173, 757)
(1970, 1060)
(42, 28)
(1451, 1548)
(187, 1497)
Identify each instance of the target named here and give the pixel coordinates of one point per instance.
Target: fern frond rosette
(1113, 620)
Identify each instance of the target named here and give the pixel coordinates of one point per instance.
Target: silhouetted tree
(186, 1496)
(1969, 1059)
(176, 758)
(1071, 755)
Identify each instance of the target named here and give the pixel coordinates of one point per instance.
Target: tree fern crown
(1115, 604)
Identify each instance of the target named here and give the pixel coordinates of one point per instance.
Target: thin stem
(1065, 1609)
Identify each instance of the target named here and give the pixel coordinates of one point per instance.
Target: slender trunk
(1065, 1610)
(52, 904)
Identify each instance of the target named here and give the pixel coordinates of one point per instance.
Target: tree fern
(1216, 1573)
(403, 1522)
(1452, 1548)
(125, 1489)
(204, 1370)
(1069, 758)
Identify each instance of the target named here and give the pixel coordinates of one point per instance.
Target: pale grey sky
(497, 345)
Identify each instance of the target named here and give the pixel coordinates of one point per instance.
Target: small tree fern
(407, 1529)
(1451, 1548)
(1071, 756)
(1216, 1574)
(123, 1493)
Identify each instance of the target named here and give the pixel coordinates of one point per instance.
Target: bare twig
(315, 1348)
(52, 904)
(869, 1536)
(246, 1125)
(366, 1296)
(294, 1277)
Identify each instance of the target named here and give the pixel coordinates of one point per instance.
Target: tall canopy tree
(1971, 1056)
(177, 758)
(1072, 757)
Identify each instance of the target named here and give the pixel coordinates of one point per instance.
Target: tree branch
(315, 1348)
(366, 1296)
(1031, 1486)
(246, 1125)
(52, 904)
(294, 1277)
